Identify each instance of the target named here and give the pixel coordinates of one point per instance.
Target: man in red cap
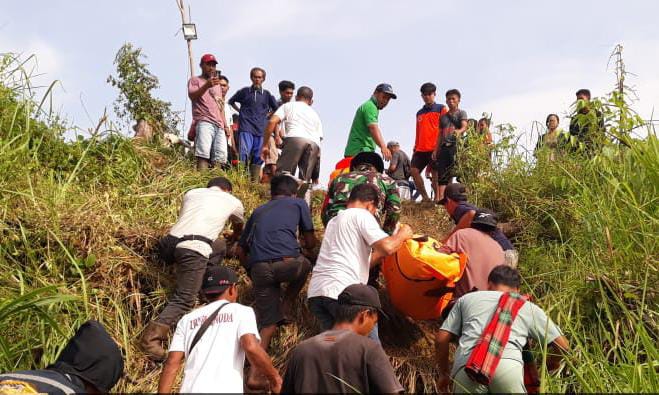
(208, 115)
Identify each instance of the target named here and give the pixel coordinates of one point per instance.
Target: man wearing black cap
(343, 359)
(214, 358)
(464, 216)
(90, 362)
(365, 133)
(365, 167)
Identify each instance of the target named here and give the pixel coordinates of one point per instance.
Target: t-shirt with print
(339, 362)
(204, 212)
(483, 255)
(217, 360)
(427, 127)
(449, 122)
(344, 257)
(471, 314)
(400, 160)
(360, 139)
(300, 120)
(271, 231)
(205, 108)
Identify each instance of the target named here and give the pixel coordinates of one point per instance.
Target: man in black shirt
(585, 126)
(343, 359)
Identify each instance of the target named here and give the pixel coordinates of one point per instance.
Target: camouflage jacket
(339, 192)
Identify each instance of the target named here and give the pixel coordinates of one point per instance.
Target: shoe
(152, 339)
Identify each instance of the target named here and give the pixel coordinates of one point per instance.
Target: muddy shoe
(152, 339)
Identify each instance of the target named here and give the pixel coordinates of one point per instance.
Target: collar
(252, 89)
(374, 101)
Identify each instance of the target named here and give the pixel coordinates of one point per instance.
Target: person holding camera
(451, 125)
(208, 121)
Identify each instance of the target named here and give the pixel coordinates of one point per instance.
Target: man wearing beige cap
(399, 169)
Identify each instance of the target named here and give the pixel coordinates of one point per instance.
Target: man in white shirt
(193, 244)
(215, 358)
(304, 132)
(353, 243)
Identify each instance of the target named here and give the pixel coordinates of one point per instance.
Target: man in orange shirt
(427, 129)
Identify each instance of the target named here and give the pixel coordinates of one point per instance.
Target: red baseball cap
(208, 58)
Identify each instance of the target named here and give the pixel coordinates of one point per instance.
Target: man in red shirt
(427, 128)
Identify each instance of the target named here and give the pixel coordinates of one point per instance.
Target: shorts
(421, 159)
(250, 148)
(298, 152)
(508, 379)
(210, 142)
(267, 278)
(404, 190)
(273, 154)
(445, 163)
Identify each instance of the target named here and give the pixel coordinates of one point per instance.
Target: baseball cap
(361, 295)
(218, 278)
(454, 191)
(485, 220)
(370, 158)
(386, 88)
(393, 144)
(208, 58)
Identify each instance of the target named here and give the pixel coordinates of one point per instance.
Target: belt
(196, 237)
(284, 258)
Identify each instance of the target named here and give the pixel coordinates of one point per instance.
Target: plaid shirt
(339, 192)
(485, 357)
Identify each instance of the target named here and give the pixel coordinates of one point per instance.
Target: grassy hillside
(79, 222)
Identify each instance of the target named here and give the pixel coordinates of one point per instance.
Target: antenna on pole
(189, 32)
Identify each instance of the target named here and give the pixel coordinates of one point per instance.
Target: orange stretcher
(420, 279)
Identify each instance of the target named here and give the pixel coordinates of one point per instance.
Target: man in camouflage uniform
(365, 167)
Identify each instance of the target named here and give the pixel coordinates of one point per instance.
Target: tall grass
(79, 221)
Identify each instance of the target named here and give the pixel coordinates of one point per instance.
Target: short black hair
(283, 185)
(365, 193)
(549, 116)
(487, 121)
(583, 92)
(505, 275)
(223, 77)
(255, 69)
(285, 84)
(221, 182)
(348, 312)
(453, 92)
(428, 88)
(305, 93)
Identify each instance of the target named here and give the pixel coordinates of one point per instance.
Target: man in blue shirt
(255, 105)
(271, 253)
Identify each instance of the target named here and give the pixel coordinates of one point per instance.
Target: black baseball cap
(386, 88)
(218, 278)
(370, 158)
(361, 295)
(485, 220)
(454, 191)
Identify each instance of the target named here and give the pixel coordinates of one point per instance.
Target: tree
(136, 102)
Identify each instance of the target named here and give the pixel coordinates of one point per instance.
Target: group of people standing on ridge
(488, 318)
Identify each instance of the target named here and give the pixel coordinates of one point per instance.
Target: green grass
(79, 221)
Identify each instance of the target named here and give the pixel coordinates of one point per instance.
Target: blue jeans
(250, 148)
(211, 143)
(324, 309)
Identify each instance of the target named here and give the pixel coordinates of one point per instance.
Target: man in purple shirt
(207, 116)
(256, 104)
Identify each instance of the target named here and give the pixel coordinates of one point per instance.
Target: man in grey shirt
(399, 169)
(469, 318)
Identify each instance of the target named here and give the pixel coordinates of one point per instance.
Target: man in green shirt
(365, 133)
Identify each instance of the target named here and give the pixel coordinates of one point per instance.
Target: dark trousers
(190, 269)
(298, 152)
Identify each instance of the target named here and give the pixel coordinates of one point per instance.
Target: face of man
(381, 99)
(366, 320)
(286, 95)
(394, 148)
(372, 208)
(208, 69)
(482, 125)
(225, 87)
(452, 101)
(257, 78)
(428, 98)
(583, 96)
(552, 123)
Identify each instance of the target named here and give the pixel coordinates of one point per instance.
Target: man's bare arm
(391, 244)
(259, 359)
(170, 370)
(464, 222)
(559, 346)
(442, 340)
(374, 129)
(270, 131)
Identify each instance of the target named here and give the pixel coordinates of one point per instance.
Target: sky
(515, 60)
